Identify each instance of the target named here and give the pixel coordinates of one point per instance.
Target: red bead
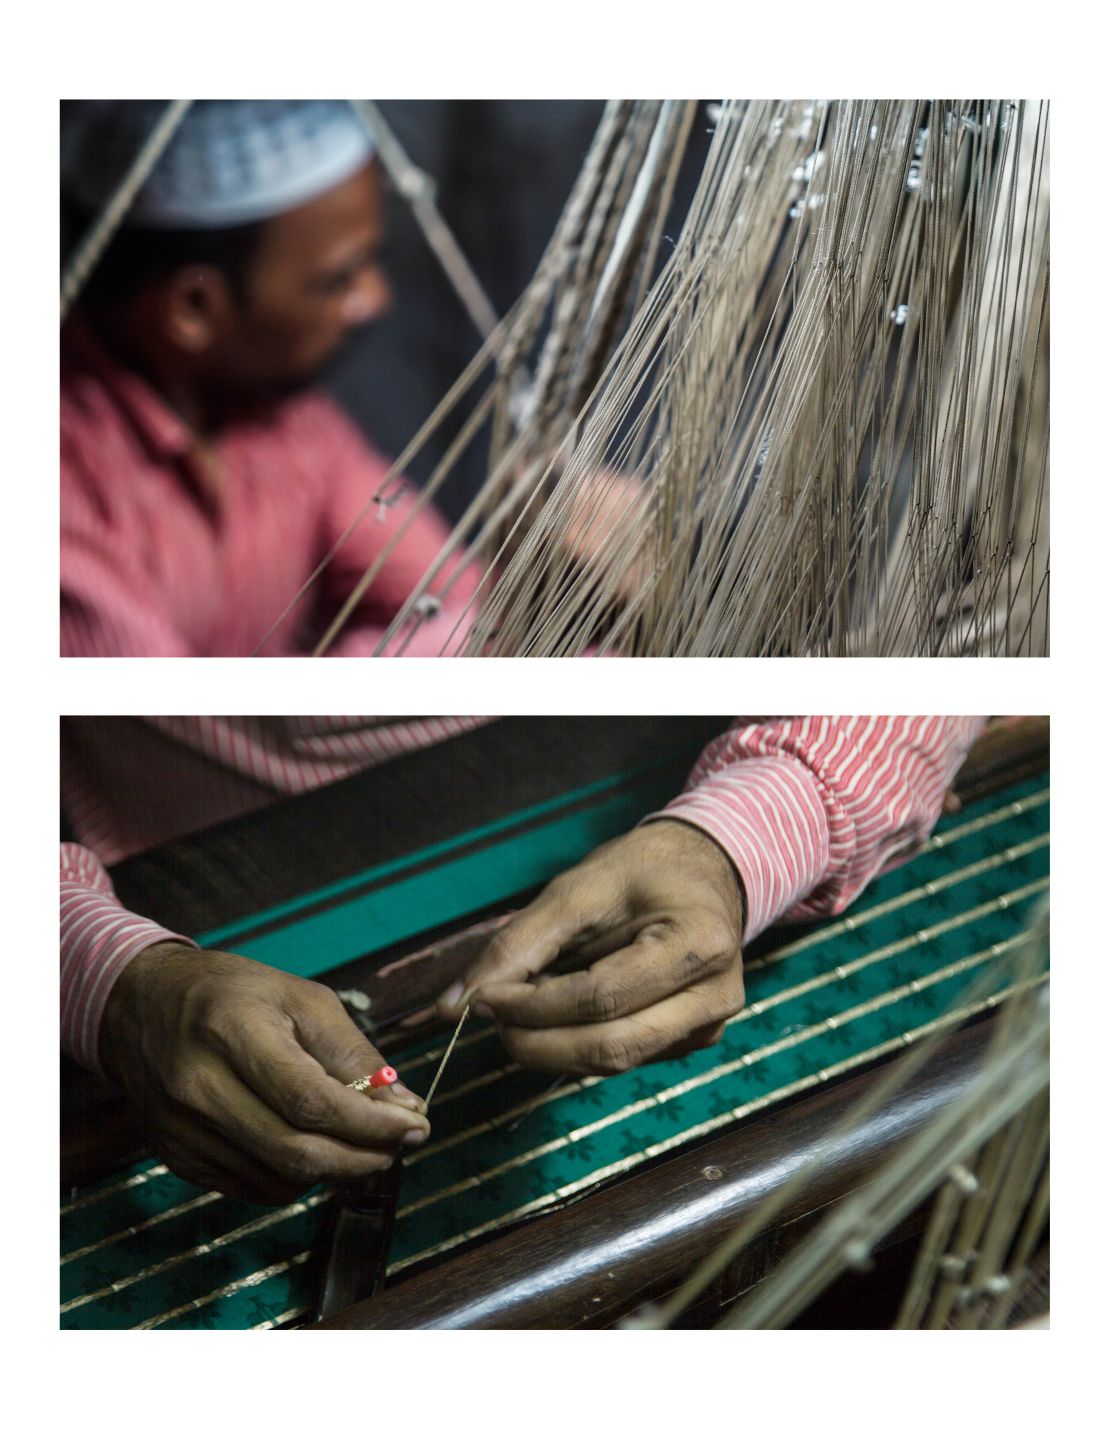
(383, 1077)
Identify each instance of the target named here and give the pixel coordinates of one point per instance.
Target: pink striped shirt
(170, 551)
(809, 809)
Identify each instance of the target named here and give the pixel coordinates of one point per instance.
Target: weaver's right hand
(238, 1074)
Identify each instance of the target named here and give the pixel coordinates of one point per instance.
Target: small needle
(446, 1055)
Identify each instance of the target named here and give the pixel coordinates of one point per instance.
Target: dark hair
(137, 255)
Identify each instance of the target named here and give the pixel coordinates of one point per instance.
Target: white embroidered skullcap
(229, 162)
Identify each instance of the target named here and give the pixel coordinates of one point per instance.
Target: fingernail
(406, 1098)
(415, 1136)
(453, 995)
(482, 1009)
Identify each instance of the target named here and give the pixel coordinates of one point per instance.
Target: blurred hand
(608, 508)
(238, 1074)
(658, 915)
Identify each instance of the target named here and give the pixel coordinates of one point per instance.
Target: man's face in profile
(314, 277)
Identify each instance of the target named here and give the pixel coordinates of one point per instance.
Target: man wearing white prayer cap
(203, 480)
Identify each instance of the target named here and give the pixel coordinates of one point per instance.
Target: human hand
(606, 522)
(238, 1074)
(599, 528)
(658, 915)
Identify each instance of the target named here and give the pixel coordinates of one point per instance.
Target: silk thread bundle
(834, 394)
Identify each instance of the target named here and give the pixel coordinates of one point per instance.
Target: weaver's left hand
(658, 915)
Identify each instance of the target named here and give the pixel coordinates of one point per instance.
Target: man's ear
(198, 308)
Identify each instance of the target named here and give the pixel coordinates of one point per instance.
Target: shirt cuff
(99, 939)
(767, 815)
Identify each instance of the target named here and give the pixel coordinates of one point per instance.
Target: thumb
(525, 945)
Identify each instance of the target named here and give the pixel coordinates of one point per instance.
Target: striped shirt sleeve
(99, 939)
(810, 809)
